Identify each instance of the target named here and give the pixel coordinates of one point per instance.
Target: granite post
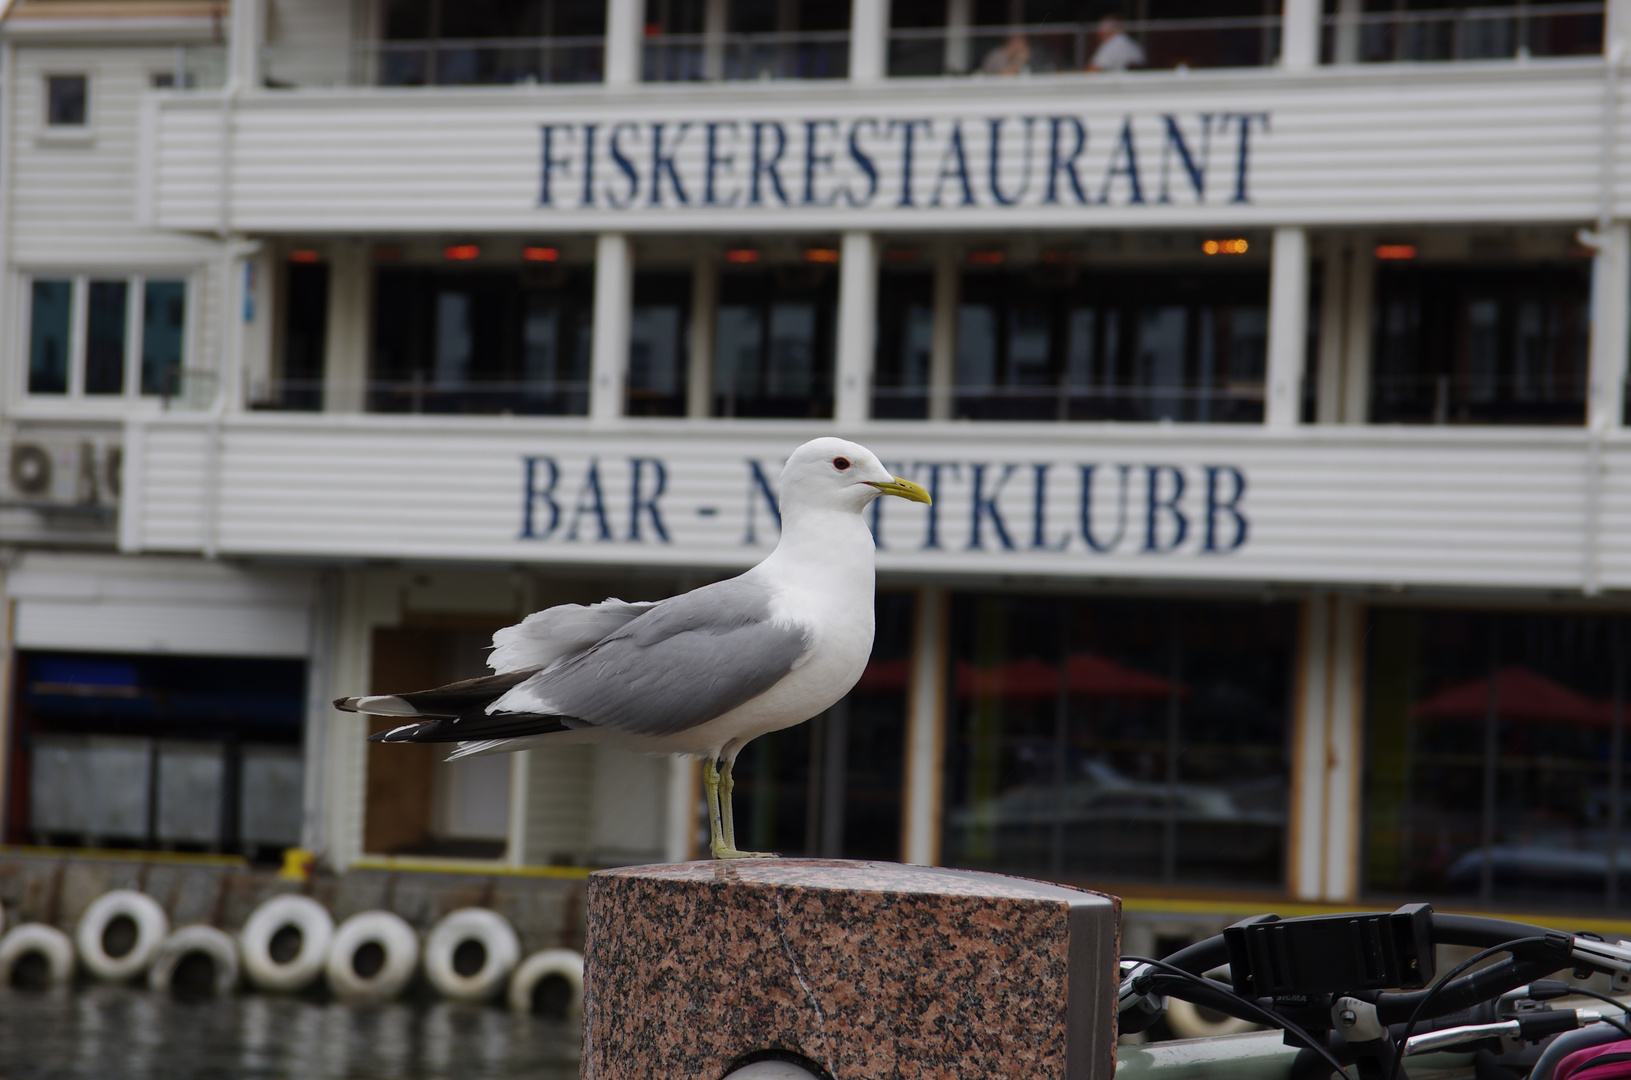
(867, 971)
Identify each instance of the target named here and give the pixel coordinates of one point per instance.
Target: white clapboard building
(1267, 366)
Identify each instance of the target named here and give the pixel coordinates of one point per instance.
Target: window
(900, 379)
(481, 341)
(773, 353)
(659, 346)
(97, 337)
(485, 42)
(1047, 343)
(1469, 345)
(1115, 739)
(1495, 764)
(67, 100)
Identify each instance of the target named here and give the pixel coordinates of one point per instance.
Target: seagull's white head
(836, 474)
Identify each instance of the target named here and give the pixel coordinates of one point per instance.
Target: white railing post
(1288, 327)
(1610, 292)
(625, 27)
(247, 30)
(857, 327)
(609, 338)
(868, 40)
(1300, 34)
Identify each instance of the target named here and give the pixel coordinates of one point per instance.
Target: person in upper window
(1010, 58)
(1116, 51)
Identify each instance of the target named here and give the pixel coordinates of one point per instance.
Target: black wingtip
(404, 733)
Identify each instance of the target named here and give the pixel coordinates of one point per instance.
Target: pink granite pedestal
(872, 971)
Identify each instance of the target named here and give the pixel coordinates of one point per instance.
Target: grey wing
(684, 662)
(547, 636)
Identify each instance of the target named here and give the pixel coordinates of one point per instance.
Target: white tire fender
(38, 939)
(397, 943)
(541, 965)
(499, 949)
(152, 927)
(215, 944)
(306, 917)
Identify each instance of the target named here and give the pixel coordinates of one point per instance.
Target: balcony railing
(1250, 41)
(1487, 33)
(725, 57)
(440, 62)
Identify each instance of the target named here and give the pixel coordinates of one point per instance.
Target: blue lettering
(996, 163)
(1067, 164)
(552, 165)
(532, 493)
(763, 166)
(1123, 162)
(862, 162)
(1175, 142)
(813, 159)
(626, 166)
(1216, 506)
(986, 506)
(1039, 513)
(590, 501)
(907, 128)
(931, 536)
(759, 483)
(648, 503)
(712, 160)
(954, 150)
(589, 164)
(1245, 148)
(661, 163)
(1087, 510)
(1169, 505)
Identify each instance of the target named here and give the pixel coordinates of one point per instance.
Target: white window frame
(50, 134)
(76, 401)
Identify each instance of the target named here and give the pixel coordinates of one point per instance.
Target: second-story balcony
(427, 43)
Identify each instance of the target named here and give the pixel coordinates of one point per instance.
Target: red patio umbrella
(1520, 694)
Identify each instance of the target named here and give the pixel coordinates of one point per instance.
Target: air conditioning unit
(62, 469)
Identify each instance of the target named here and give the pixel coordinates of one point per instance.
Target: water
(125, 1033)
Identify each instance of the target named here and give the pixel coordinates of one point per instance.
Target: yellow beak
(905, 489)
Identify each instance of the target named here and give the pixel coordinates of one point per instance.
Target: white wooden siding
(1368, 506)
(1376, 144)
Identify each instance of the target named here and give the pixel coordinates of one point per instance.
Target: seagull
(703, 673)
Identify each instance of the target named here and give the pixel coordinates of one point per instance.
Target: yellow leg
(721, 820)
(710, 791)
(727, 810)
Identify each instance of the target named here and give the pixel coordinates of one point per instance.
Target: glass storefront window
(659, 344)
(900, 374)
(773, 354)
(1469, 345)
(48, 336)
(164, 323)
(105, 337)
(1494, 765)
(1119, 739)
(1050, 344)
(832, 787)
(481, 341)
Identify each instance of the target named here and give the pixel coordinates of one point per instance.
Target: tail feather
(442, 703)
(476, 726)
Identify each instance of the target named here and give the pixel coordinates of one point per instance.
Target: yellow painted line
(182, 858)
(1156, 905)
(459, 866)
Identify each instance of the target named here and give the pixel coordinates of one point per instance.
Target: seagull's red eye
(840, 463)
